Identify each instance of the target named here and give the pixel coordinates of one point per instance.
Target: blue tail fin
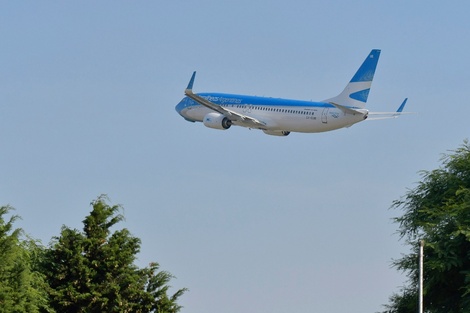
(357, 90)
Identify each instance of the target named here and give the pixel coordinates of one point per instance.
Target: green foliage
(22, 288)
(94, 271)
(82, 271)
(438, 211)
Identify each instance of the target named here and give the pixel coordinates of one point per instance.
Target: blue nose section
(180, 106)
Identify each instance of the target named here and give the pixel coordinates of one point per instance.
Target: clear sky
(248, 222)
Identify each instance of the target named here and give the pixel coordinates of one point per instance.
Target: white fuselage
(275, 114)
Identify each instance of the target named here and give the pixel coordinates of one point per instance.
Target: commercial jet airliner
(280, 117)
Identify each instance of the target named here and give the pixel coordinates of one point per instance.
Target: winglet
(191, 82)
(402, 106)
(384, 115)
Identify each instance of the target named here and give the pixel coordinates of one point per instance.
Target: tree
(438, 211)
(22, 287)
(94, 271)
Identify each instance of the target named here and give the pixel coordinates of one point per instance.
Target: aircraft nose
(182, 108)
(179, 107)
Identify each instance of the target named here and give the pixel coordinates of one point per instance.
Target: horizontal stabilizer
(348, 110)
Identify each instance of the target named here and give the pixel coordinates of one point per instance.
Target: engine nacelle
(217, 121)
(277, 132)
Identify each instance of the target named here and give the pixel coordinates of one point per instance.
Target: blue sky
(248, 222)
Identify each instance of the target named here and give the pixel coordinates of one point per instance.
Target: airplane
(280, 117)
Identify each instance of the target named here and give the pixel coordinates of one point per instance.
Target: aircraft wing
(233, 116)
(385, 115)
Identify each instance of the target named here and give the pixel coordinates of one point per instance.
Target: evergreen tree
(438, 211)
(94, 271)
(22, 287)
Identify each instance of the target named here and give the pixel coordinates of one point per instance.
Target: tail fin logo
(360, 95)
(367, 69)
(357, 90)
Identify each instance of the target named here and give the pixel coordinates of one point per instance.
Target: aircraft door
(324, 115)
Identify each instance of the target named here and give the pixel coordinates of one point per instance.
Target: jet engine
(277, 132)
(217, 121)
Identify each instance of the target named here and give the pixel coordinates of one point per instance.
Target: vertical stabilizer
(356, 92)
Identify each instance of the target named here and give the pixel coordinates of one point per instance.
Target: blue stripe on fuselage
(232, 99)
